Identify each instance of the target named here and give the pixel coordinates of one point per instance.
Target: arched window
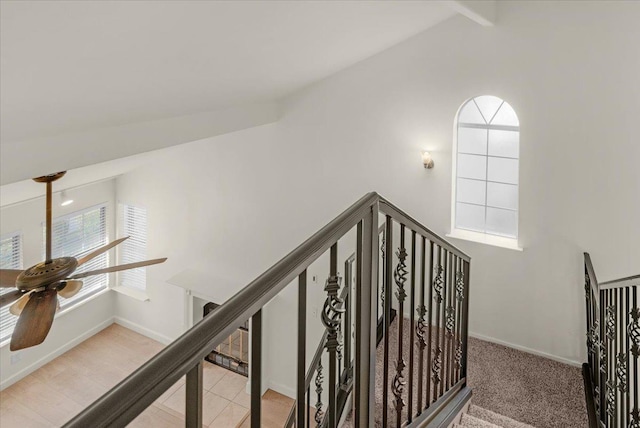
(486, 168)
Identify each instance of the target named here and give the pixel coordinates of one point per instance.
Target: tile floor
(75, 379)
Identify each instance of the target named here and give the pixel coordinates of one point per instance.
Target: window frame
(65, 304)
(138, 293)
(485, 237)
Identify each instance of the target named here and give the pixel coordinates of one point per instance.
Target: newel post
(365, 329)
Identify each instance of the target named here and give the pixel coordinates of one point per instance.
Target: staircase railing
(613, 347)
(423, 355)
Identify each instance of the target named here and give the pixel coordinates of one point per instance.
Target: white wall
(235, 204)
(77, 323)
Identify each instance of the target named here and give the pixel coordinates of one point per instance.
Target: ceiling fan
(35, 299)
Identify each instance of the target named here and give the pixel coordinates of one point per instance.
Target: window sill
(482, 238)
(135, 294)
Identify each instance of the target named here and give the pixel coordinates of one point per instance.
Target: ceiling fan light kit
(38, 287)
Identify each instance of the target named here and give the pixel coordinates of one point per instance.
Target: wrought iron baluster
(383, 252)
(610, 321)
(340, 350)
(412, 329)
(445, 282)
(332, 318)
(400, 277)
(256, 369)
(627, 318)
(308, 425)
(421, 330)
(633, 331)
(466, 269)
(459, 301)
(449, 323)
(319, 416)
(438, 287)
(430, 323)
(302, 336)
(602, 352)
(387, 317)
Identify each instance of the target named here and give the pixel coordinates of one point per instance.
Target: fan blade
(10, 297)
(19, 305)
(8, 277)
(118, 268)
(91, 255)
(71, 289)
(35, 320)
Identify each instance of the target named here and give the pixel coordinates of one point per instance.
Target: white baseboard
(525, 349)
(282, 389)
(165, 340)
(55, 354)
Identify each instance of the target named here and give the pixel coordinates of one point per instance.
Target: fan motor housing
(45, 273)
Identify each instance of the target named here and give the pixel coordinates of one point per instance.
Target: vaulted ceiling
(69, 67)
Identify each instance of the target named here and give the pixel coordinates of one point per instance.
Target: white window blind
(134, 225)
(487, 163)
(10, 258)
(77, 234)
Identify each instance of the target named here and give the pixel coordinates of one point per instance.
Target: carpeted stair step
(495, 418)
(468, 421)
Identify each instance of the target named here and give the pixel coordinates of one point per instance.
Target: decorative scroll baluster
(400, 277)
(459, 300)
(593, 338)
(435, 369)
(635, 418)
(319, 379)
(430, 325)
(634, 331)
(438, 282)
(421, 329)
(611, 322)
(450, 321)
(611, 397)
(332, 318)
(383, 246)
(610, 385)
(438, 285)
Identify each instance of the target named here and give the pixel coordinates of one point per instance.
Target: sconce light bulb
(427, 161)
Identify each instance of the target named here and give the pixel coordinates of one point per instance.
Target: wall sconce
(64, 199)
(426, 160)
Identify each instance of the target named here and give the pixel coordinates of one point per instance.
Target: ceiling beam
(484, 12)
(20, 160)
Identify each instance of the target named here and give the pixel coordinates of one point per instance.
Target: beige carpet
(524, 387)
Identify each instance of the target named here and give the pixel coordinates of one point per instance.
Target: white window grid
(487, 126)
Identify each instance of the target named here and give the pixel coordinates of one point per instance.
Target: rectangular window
(134, 225)
(10, 258)
(75, 235)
